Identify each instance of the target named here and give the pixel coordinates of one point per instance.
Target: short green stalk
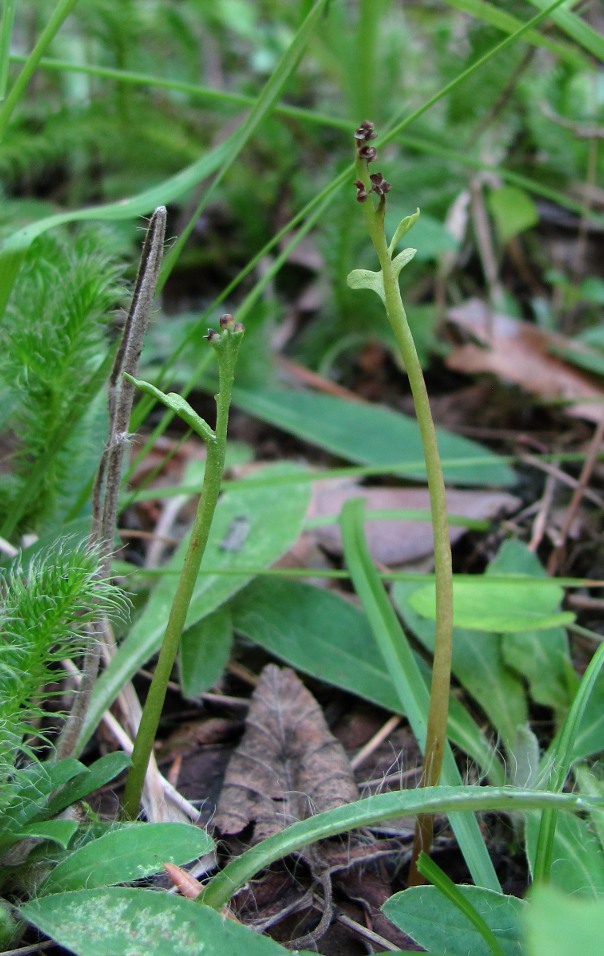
(226, 344)
(386, 285)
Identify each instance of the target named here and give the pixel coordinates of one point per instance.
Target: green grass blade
(576, 28)
(263, 105)
(59, 14)
(407, 679)
(465, 74)
(13, 249)
(561, 760)
(6, 33)
(454, 801)
(489, 13)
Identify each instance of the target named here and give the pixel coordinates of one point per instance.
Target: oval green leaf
(128, 853)
(436, 923)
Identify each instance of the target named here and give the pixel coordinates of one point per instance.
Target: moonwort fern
(52, 351)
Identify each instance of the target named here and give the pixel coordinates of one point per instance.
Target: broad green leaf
(122, 921)
(126, 854)
(513, 211)
(501, 606)
(577, 865)
(57, 831)
(559, 925)
(204, 652)
(589, 739)
(523, 761)
(478, 665)
(542, 657)
(102, 771)
(37, 782)
(372, 435)
(435, 922)
(275, 515)
(318, 632)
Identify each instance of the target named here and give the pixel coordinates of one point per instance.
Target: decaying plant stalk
(108, 478)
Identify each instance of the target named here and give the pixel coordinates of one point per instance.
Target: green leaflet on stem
(177, 404)
(371, 187)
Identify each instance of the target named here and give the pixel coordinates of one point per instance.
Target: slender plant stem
(441, 673)
(226, 344)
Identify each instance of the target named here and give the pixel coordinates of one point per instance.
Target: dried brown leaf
(520, 352)
(288, 765)
(400, 542)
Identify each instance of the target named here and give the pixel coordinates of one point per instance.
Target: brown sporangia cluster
(380, 186)
(227, 323)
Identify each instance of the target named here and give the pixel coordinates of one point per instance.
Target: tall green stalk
(385, 284)
(226, 344)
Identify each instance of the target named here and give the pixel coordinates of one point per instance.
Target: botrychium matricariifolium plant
(372, 190)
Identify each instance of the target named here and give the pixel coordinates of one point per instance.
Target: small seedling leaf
(402, 259)
(178, 405)
(128, 853)
(365, 279)
(402, 229)
(57, 831)
(102, 771)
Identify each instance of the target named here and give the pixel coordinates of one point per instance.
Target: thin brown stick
(555, 558)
